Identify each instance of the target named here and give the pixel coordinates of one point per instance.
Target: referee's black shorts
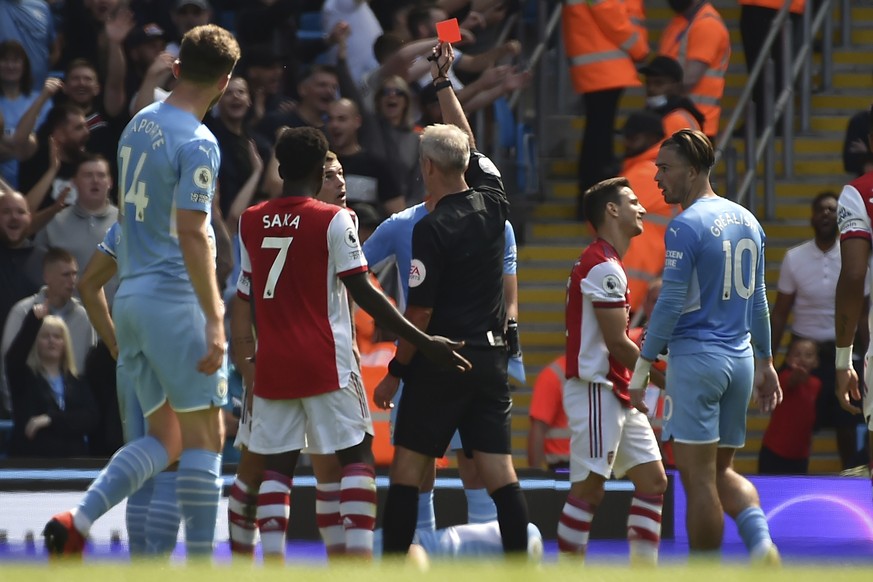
(436, 402)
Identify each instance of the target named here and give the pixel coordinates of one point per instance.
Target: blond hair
(447, 146)
(68, 363)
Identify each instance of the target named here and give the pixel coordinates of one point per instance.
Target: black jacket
(32, 396)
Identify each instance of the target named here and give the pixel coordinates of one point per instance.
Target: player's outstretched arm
(855, 254)
(439, 349)
(101, 268)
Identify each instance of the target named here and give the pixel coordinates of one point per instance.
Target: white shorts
(320, 424)
(605, 437)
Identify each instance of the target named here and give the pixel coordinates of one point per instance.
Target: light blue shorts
(159, 346)
(133, 424)
(708, 398)
(454, 445)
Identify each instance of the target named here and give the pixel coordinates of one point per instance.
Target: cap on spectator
(201, 4)
(645, 122)
(262, 56)
(144, 34)
(368, 216)
(663, 66)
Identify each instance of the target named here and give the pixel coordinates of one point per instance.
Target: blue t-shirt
(13, 110)
(715, 254)
(30, 23)
(393, 238)
(167, 160)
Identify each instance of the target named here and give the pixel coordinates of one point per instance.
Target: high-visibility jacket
(547, 405)
(702, 36)
(603, 39)
(797, 6)
(679, 119)
(374, 366)
(644, 259)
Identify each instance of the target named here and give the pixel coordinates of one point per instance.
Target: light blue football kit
(713, 298)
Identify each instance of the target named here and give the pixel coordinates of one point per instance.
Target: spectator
(16, 96)
(756, 18)
(52, 408)
(80, 227)
(241, 159)
(857, 158)
(25, 142)
(698, 39)
(30, 23)
(665, 95)
(807, 287)
(317, 89)
(20, 267)
(142, 47)
(263, 69)
(394, 137)
(788, 438)
(59, 274)
(644, 259)
(603, 41)
(369, 178)
(364, 30)
(83, 35)
(186, 15)
(548, 439)
(61, 140)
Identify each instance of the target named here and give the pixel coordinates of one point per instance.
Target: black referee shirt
(457, 258)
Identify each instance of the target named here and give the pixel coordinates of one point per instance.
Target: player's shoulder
(415, 212)
(597, 253)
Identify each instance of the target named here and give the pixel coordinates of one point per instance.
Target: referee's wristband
(843, 360)
(397, 369)
(440, 85)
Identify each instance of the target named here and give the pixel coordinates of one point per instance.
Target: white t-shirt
(364, 29)
(811, 274)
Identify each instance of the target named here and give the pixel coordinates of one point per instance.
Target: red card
(448, 30)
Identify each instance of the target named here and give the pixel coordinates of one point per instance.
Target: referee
(455, 289)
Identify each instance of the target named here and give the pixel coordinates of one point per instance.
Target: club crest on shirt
(417, 273)
(351, 237)
(221, 390)
(203, 177)
(612, 285)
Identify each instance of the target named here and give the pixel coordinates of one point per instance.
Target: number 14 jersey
(294, 252)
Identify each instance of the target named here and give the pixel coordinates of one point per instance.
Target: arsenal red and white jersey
(294, 251)
(855, 216)
(598, 280)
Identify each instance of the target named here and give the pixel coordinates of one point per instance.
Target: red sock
(327, 515)
(358, 508)
(241, 509)
(574, 526)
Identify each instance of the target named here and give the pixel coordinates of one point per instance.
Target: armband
(397, 369)
(440, 85)
(843, 359)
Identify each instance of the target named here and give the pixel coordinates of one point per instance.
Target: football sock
(198, 491)
(480, 506)
(753, 529)
(327, 515)
(398, 518)
(426, 515)
(644, 528)
(358, 507)
(574, 526)
(241, 507)
(512, 517)
(162, 524)
(135, 517)
(126, 472)
(274, 507)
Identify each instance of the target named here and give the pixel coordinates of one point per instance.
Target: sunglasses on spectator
(394, 91)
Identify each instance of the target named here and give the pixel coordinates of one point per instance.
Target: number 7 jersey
(167, 160)
(716, 248)
(294, 252)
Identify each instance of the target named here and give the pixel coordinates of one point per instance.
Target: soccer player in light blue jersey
(712, 300)
(168, 311)
(393, 238)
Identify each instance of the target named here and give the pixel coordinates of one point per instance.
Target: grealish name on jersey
(281, 220)
(152, 129)
(726, 219)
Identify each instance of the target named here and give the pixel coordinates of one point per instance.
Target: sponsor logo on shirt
(417, 273)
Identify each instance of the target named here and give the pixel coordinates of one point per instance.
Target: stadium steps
(555, 239)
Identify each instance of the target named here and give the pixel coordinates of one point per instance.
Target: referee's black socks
(512, 517)
(399, 518)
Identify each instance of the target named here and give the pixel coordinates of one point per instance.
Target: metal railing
(779, 109)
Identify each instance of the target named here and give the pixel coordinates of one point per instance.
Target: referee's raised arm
(440, 62)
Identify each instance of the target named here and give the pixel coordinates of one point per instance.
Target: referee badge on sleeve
(417, 273)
